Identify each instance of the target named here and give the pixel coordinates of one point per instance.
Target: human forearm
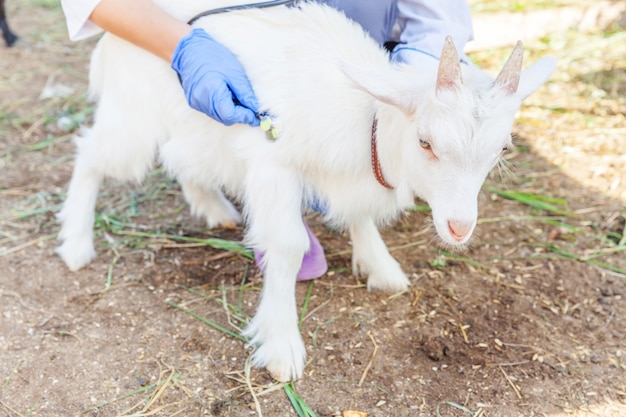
(142, 23)
(424, 26)
(212, 78)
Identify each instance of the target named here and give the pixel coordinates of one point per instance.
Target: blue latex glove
(214, 81)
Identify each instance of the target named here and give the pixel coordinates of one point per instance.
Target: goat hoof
(283, 362)
(282, 354)
(218, 215)
(392, 280)
(76, 253)
(285, 368)
(279, 374)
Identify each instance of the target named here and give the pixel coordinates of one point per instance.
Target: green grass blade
(562, 252)
(132, 393)
(305, 305)
(227, 245)
(293, 400)
(607, 266)
(301, 407)
(109, 282)
(469, 261)
(457, 406)
(207, 321)
(589, 260)
(549, 204)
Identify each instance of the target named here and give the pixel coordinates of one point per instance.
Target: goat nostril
(459, 229)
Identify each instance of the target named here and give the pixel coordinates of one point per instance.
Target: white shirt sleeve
(77, 14)
(424, 24)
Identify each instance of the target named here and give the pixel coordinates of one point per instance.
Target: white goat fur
(324, 80)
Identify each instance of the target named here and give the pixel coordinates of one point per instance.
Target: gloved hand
(214, 81)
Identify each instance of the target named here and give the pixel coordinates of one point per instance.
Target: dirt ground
(530, 321)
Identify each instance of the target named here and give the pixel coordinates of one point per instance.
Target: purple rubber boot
(314, 263)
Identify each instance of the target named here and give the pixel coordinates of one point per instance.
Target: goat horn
(449, 73)
(508, 79)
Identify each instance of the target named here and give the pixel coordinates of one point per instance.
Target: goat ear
(449, 73)
(387, 88)
(508, 79)
(534, 76)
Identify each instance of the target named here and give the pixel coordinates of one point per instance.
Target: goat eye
(425, 144)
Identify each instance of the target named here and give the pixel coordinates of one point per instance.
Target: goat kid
(9, 37)
(343, 109)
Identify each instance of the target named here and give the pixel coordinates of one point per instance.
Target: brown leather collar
(378, 173)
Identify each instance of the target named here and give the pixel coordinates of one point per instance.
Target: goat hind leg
(210, 204)
(371, 257)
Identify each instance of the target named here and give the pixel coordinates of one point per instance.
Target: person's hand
(214, 81)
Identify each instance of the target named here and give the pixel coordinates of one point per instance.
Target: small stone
(352, 413)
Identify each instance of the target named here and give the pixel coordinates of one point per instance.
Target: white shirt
(423, 26)
(77, 18)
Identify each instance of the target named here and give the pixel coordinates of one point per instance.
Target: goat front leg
(370, 257)
(274, 214)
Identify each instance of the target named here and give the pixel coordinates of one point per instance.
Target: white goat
(344, 112)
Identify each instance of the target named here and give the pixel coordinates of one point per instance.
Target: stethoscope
(239, 7)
